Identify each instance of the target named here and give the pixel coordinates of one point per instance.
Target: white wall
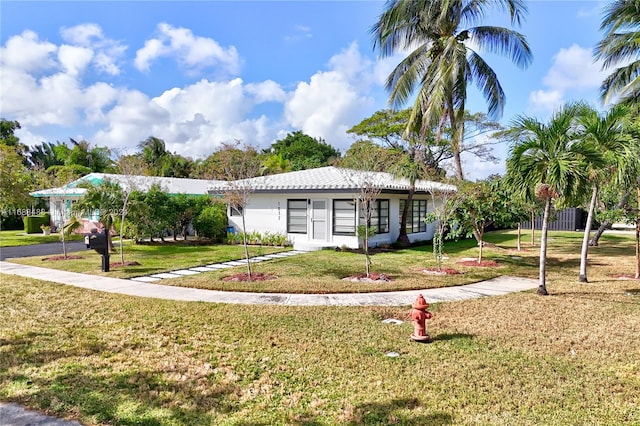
(268, 213)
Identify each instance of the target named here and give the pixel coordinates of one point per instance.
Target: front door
(319, 220)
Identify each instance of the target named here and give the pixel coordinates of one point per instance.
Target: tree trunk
(542, 286)
(638, 248)
(480, 245)
(533, 228)
(607, 223)
(585, 240)
(519, 235)
(403, 238)
(246, 248)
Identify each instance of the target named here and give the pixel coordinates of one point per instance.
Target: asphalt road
(46, 249)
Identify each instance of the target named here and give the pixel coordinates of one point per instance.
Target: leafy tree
(43, 156)
(444, 59)
(275, 163)
(186, 208)
(551, 160)
(155, 155)
(364, 148)
(620, 49)
(303, 151)
(150, 214)
(8, 137)
(15, 181)
(215, 165)
(485, 203)
(445, 204)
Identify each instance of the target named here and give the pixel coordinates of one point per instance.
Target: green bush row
(266, 238)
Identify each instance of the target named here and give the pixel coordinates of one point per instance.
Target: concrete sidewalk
(16, 415)
(494, 287)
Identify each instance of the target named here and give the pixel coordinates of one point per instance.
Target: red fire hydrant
(419, 314)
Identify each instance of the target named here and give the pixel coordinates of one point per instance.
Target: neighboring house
(318, 208)
(61, 199)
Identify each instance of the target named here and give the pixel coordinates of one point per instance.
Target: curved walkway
(494, 287)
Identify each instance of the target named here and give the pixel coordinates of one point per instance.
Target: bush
(212, 222)
(32, 223)
(256, 238)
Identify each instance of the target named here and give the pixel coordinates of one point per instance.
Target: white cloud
(106, 52)
(545, 100)
(301, 32)
(74, 60)
(574, 69)
(27, 53)
(193, 52)
(572, 74)
(332, 102)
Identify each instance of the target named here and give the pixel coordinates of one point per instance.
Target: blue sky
(197, 74)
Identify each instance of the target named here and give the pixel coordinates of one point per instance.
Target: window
(344, 217)
(297, 216)
(235, 211)
(415, 216)
(379, 216)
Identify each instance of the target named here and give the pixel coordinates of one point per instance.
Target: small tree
(445, 203)
(240, 167)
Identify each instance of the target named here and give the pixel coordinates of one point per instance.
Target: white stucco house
(61, 199)
(318, 208)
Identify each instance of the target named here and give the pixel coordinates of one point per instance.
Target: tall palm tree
(553, 158)
(620, 48)
(606, 132)
(445, 39)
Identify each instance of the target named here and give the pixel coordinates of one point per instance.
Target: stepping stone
(185, 272)
(256, 260)
(202, 269)
(260, 258)
(219, 266)
(165, 275)
(145, 279)
(235, 263)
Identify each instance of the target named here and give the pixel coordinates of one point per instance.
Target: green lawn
(20, 238)
(151, 259)
(566, 359)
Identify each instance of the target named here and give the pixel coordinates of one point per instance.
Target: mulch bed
(244, 277)
(483, 264)
(372, 278)
(61, 257)
(624, 276)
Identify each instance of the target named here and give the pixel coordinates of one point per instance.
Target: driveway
(46, 249)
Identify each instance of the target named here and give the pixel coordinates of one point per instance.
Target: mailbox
(99, 242)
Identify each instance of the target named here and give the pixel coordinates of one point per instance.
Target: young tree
(553, 159)
(106, 199)
(445, 204)
(240, 171)
(607, 134)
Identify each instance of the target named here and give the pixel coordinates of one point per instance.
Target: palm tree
(606, 133)
(445, 58)
(553, 159)
(620, 48)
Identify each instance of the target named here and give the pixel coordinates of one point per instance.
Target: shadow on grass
(444, 337)
(632, 296)
(396, 411)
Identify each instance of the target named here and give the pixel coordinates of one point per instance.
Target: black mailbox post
(100, 243)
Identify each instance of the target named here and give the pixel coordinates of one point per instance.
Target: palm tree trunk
(638, 249)
(585, 240)
(533, 228)
(542, 286)
(403, 238)
(519, 235)
(607, 223)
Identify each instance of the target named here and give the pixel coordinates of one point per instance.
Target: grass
(570, 358)
(20, 238)
(152, 259)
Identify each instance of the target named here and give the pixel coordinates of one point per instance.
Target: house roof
(140, 183)
(329, 179)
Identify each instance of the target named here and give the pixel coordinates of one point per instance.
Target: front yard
(570, 358)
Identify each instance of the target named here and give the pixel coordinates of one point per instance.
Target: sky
(202, 73)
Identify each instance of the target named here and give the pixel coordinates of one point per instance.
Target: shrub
(32, 223)
(256, 238)
(212, 222)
